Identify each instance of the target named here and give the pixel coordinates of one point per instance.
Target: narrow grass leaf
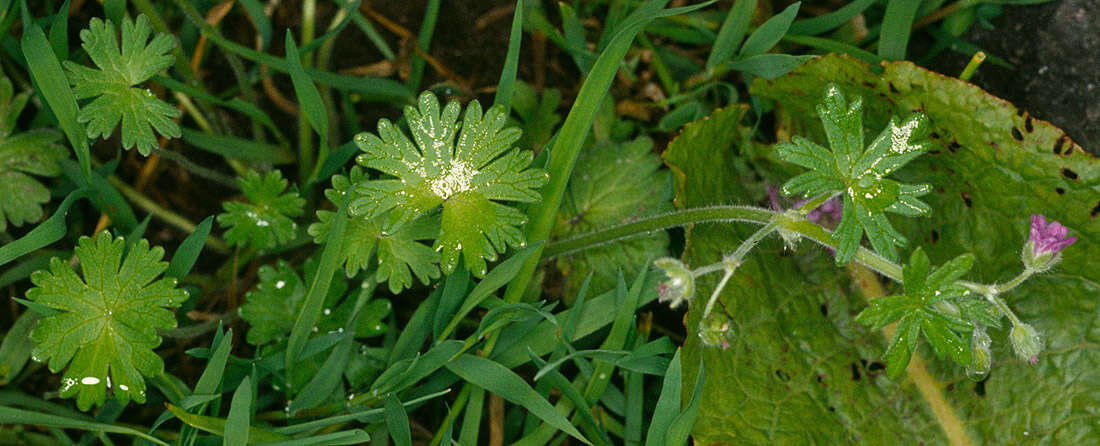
(318, 289)
(574, 34)
(454, 293)
(216, 426)
(769, 66)
(496, 378)
(894, 37)
(309, 99)
(16, 348)
(324, 383)
(349, 7)
(237, 148)
(416, 330)
(237, 422)
(827, 22)
(397, 421)
(244, 107)
(59, 31)
(373, 35)
(732, 33)
(212, 375)
(507, 84)
(668, 404)
(404, 374)
(54, 88)
(188, 252)
(830, 45)
(50, 231)
(616, 339)
(768, 34)
(10, 415)
(570, 392)
(680, 428)
(501, 275)
(260, 20)
(354, 436)
(371, 415)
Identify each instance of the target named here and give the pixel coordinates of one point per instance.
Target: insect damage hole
(1061, 142)
(1069, 173)
(1095, 210)
(1017, 135)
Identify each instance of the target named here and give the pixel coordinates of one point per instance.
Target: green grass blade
(507, 84)
(373, 35)
(830, 45)
(769, 34)
(188, 252)
(894, 37)
(318, 289)
(10, 415)
(501, 275)
(212, 375)
(576, 128)
(769, 66)
(324, 383)
(216, 426)
(830, 21)
(244, 107)
(262, 22)
(427, 28)
(54, 88)
(668, 404)
(16, 348)
(732, 33)
(237, 148)
(680, 428)
(574, 34)
(59, 32)
(498, 379)
(570, 392)
(237, 423)
(354, 436)
(454, 293)
(44, 234)
(397, 420)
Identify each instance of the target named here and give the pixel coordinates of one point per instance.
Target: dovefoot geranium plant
(850, 183)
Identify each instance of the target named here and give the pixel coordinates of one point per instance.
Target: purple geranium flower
(1048, 239)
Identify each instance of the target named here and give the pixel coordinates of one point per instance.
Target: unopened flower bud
(715, 333)
(679, 286)
(1026, 342)
(983, 357)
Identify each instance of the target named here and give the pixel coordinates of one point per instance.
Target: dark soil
(1056, 50)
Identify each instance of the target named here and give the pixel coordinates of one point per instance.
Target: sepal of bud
(1026, 342)
(679, 284)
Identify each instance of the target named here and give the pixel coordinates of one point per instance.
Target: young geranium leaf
(400, 254)
(113, 83)
(468, 178)
(860, 174)
(107, 323)
(920, 310)
(35, 152)
(265, 220)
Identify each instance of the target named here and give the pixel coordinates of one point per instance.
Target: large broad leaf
(799, 370)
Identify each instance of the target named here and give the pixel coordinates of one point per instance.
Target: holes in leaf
(824, 310)
(953, 146)
(1017, 135)
(934, 236)
(1027, 124)
(856, 375)
(1095, 210)
(1060, 191)
(966, 198)
(783, 376)
(893, 89)
(1061, 142)
(1069, 174)
(934, 135)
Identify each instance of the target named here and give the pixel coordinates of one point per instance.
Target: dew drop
(89, 381)
(123, 387)
(328, 311)
(280, 284)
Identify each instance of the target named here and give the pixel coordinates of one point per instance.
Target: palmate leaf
(34, 152)
(468, 178)
(920, 308)
(264, 221)
(107, 322)
(400, 254)
(860, 174)
(112, 83)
